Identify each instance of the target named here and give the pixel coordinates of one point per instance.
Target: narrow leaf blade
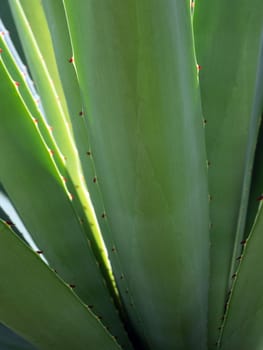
(39, 306)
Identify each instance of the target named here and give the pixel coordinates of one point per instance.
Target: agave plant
(131, 150)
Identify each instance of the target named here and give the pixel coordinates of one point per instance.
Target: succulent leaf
(51, 220)
(136, 79)
(9, 340)
(244, 314)
(228, 45)
(40, 54)
(50, 314)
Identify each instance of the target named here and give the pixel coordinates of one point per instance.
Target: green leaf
(40, 54)
(256, 184)
(40, 306)
(138, 78)
(228, 38)
(49, 214)
(31, 18)
(6, 16)
(11, 341)
(245, 311)
(56, 19)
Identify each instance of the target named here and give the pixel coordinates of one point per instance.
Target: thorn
(198, 67)
(50, 128)
(9, 223)
(51, 152)
(113, 249)
(100, 317)
(72, 286)
(90, 306)
(39, 251)
(121, 277)
(210, 198)
(204, 122)
(260, 198)
(71, 60)
(81, 113)
(64, 179)
(103, 216)
(35, 120)
(234, 275)
(239, 258)
(1, 50)
(88, 153)
(17, 83)
(243, 242)
(71, 197)
(95, 179)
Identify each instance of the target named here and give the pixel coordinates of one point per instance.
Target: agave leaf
(40, 54)
(137, 73)
(256, 184)
(228, 39)
(6, 16)
(62, 135)
(42, 77)
(9, 340)
(20, 76)
(50, 315)
(36, 20)
(49, 214)
(62, 47)
(245, 310)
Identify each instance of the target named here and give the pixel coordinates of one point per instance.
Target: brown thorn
(9, 223)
